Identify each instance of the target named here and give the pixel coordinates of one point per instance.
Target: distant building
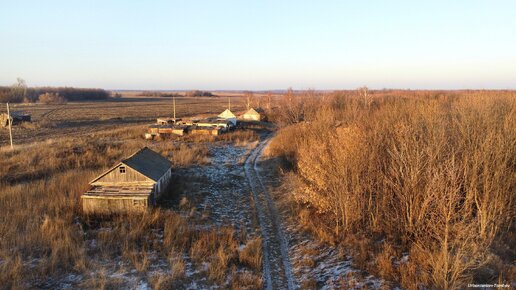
(206, 130)
(229, 116)
(253, 115)
(167, 121)
(160, 130)
(222, 123)
(134, 184)
(16, 118)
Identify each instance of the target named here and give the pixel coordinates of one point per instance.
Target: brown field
(86, 118)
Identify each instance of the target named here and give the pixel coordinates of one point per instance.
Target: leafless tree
(249, 98)
(364, 93)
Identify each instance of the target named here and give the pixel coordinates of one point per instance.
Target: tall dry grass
(44, 236)
(432, 175)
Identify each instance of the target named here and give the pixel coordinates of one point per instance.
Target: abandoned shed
(16, 118)
(134, 184)
(229, 116)
(253, 115)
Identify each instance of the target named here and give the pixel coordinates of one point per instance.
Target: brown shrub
(384, 262)
(51, 98)
(432, 172)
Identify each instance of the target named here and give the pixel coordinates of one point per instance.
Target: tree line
(19, 93)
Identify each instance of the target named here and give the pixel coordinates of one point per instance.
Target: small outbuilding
(229, 116)
(16, 118)
(253, 115)
(134, 184)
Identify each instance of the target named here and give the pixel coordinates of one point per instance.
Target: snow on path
(315, 264)
(277, 269)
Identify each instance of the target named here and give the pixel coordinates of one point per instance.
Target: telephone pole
(10, 129)
(174, 108)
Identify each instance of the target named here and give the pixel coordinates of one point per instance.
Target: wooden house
(229, 116)
(16, 118)
(253, 115)
(134, 184)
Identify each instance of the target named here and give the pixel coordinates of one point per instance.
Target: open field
(86, 118)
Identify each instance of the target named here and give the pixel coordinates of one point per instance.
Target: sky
(259, 45)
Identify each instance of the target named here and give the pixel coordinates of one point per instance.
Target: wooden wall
(106, 205)
(130, 176)
(163, 184)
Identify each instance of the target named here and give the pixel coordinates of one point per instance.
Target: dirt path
(277, 270)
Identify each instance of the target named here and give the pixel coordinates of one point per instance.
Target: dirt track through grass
(277, 269)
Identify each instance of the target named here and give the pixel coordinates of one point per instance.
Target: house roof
(227, 114)
(253, 112)
(147, 162)
(17, 114)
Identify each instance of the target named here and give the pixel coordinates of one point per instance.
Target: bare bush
(432, 173)
(51, 98)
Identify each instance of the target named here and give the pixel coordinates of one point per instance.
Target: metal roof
(148, 163)
(252, 111)
(227, 114)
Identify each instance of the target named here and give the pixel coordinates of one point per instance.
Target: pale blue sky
(259, 44)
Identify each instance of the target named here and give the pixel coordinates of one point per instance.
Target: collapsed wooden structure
(16, 118)
(134, 184)
(167, 121)
(166, 126)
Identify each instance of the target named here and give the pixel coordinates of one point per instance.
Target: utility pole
(229, 103)
(174, 108)
(10, 129)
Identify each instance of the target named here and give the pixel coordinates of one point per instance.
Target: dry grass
(217, 248)
(188, 154)
(245, 280)
(44, 234)
(432, 174)
(251, 254)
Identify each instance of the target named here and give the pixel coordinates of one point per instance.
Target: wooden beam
(10, 124)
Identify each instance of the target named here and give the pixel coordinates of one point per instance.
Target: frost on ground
(208, 196)
(316, 264)
(220, 190)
